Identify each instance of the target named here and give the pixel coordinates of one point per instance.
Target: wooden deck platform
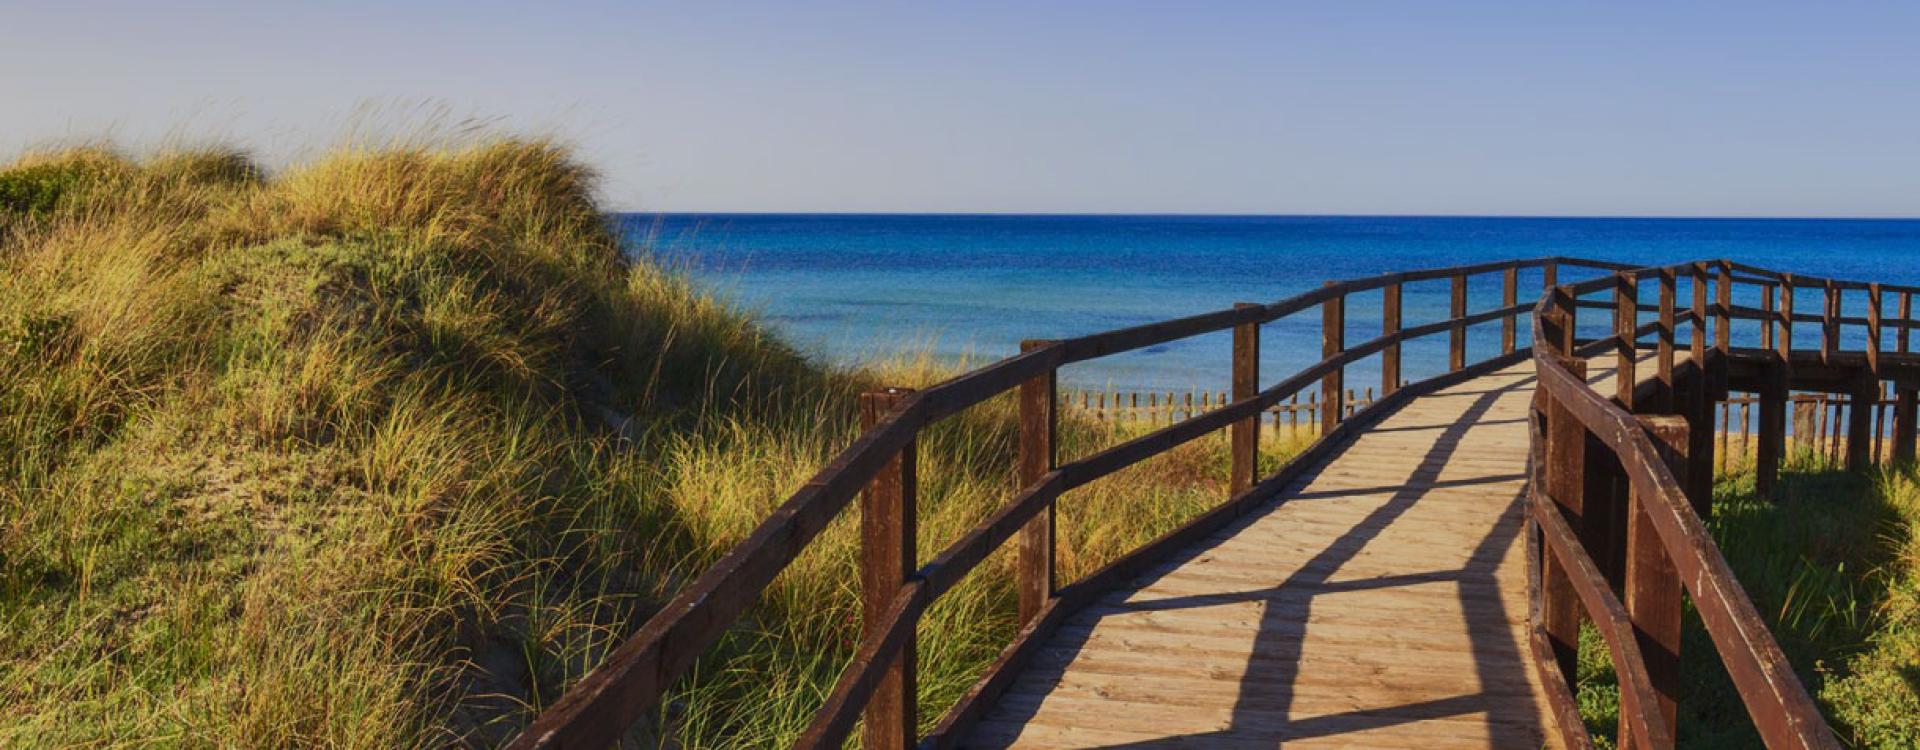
(1379, 602)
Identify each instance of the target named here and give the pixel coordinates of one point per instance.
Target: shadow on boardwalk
(1264, 713)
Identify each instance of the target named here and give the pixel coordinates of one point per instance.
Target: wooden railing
(879, 466)
(1622, 481)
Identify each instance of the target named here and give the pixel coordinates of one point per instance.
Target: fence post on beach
(1563, 467)
(1652, 585)
(1246, 383)
(1509, 296)
(1390, 326)
(887, 560)
(1333, 341)
(1038, 423)
(1457, 338)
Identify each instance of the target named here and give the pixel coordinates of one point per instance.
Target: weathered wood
(1652, 591)
(1457, 339)
(1639, 704)
(1776, 700)
(1873, 328)
(1509, 292)
(1038, 426)
(1564, 479)
(1664, 344)
(1245, 434)
(1830, 323)
(887, 559)
(1723, 321)
(1859, 448)
(1626, 296)
(1390, 325)
(1333, 340)
(1766, 307)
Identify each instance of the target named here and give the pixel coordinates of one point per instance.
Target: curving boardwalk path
(1380, 602)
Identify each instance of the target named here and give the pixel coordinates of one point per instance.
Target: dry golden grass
(388, 449)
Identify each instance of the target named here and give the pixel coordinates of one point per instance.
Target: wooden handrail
(1779, 705)
(629, 685)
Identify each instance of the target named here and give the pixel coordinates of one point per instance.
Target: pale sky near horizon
(1524, 107)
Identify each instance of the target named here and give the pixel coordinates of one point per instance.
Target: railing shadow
(1263, 710)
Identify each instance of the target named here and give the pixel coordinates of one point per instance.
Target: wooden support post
(1830, 323)
(1509, 296)
(1564, 300)
(1865, 392)
(887, 559)
(1457, 338)
(1246, 384)
(1549, 275)
(1702, 392)
(1723, 317)
(1773, 397)
(1766, 323)
(1038, 426)
(1333, 340)
(1664, 344)
(1652, 587)
(1390, 325)
(1626, 321)
(1873, 329)
(1563, 471)
(1905, 402)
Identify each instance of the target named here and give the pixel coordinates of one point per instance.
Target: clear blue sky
(1525, 107)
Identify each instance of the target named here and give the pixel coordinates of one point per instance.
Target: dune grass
(1834, 569)
(388, 448)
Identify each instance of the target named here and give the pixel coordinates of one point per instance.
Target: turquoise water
(849, 287)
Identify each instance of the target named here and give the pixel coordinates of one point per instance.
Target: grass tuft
(389, 448)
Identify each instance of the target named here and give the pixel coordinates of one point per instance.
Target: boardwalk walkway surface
(1380, 601)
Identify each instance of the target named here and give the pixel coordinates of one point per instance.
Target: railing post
(1564, 300)
(1830, 323)
(1865, 391)
(1509, 296)
(1626, 322)
(1246, 383)
(1652, 586)
(1038, 423)
(1723, 317)
(1906, 405)
(1390, 325)
(1457, 338)
(1773, 397)
(1767, 320)
(1563, 476)
(1700, 401)
(1333, 341)
(888, 558)
(1873, 328)
(1549, 275)
(1664, 344)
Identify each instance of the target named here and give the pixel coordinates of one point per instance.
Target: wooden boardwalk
(1371, 592)
(1381, 601)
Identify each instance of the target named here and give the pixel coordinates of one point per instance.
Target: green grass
(389, 448)
(1834, 568)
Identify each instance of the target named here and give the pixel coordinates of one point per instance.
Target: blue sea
(849, 288)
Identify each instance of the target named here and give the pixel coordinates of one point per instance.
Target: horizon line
(1223, 215)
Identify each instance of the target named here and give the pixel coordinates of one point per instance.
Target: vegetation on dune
(1834, 568)
(391, 447)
